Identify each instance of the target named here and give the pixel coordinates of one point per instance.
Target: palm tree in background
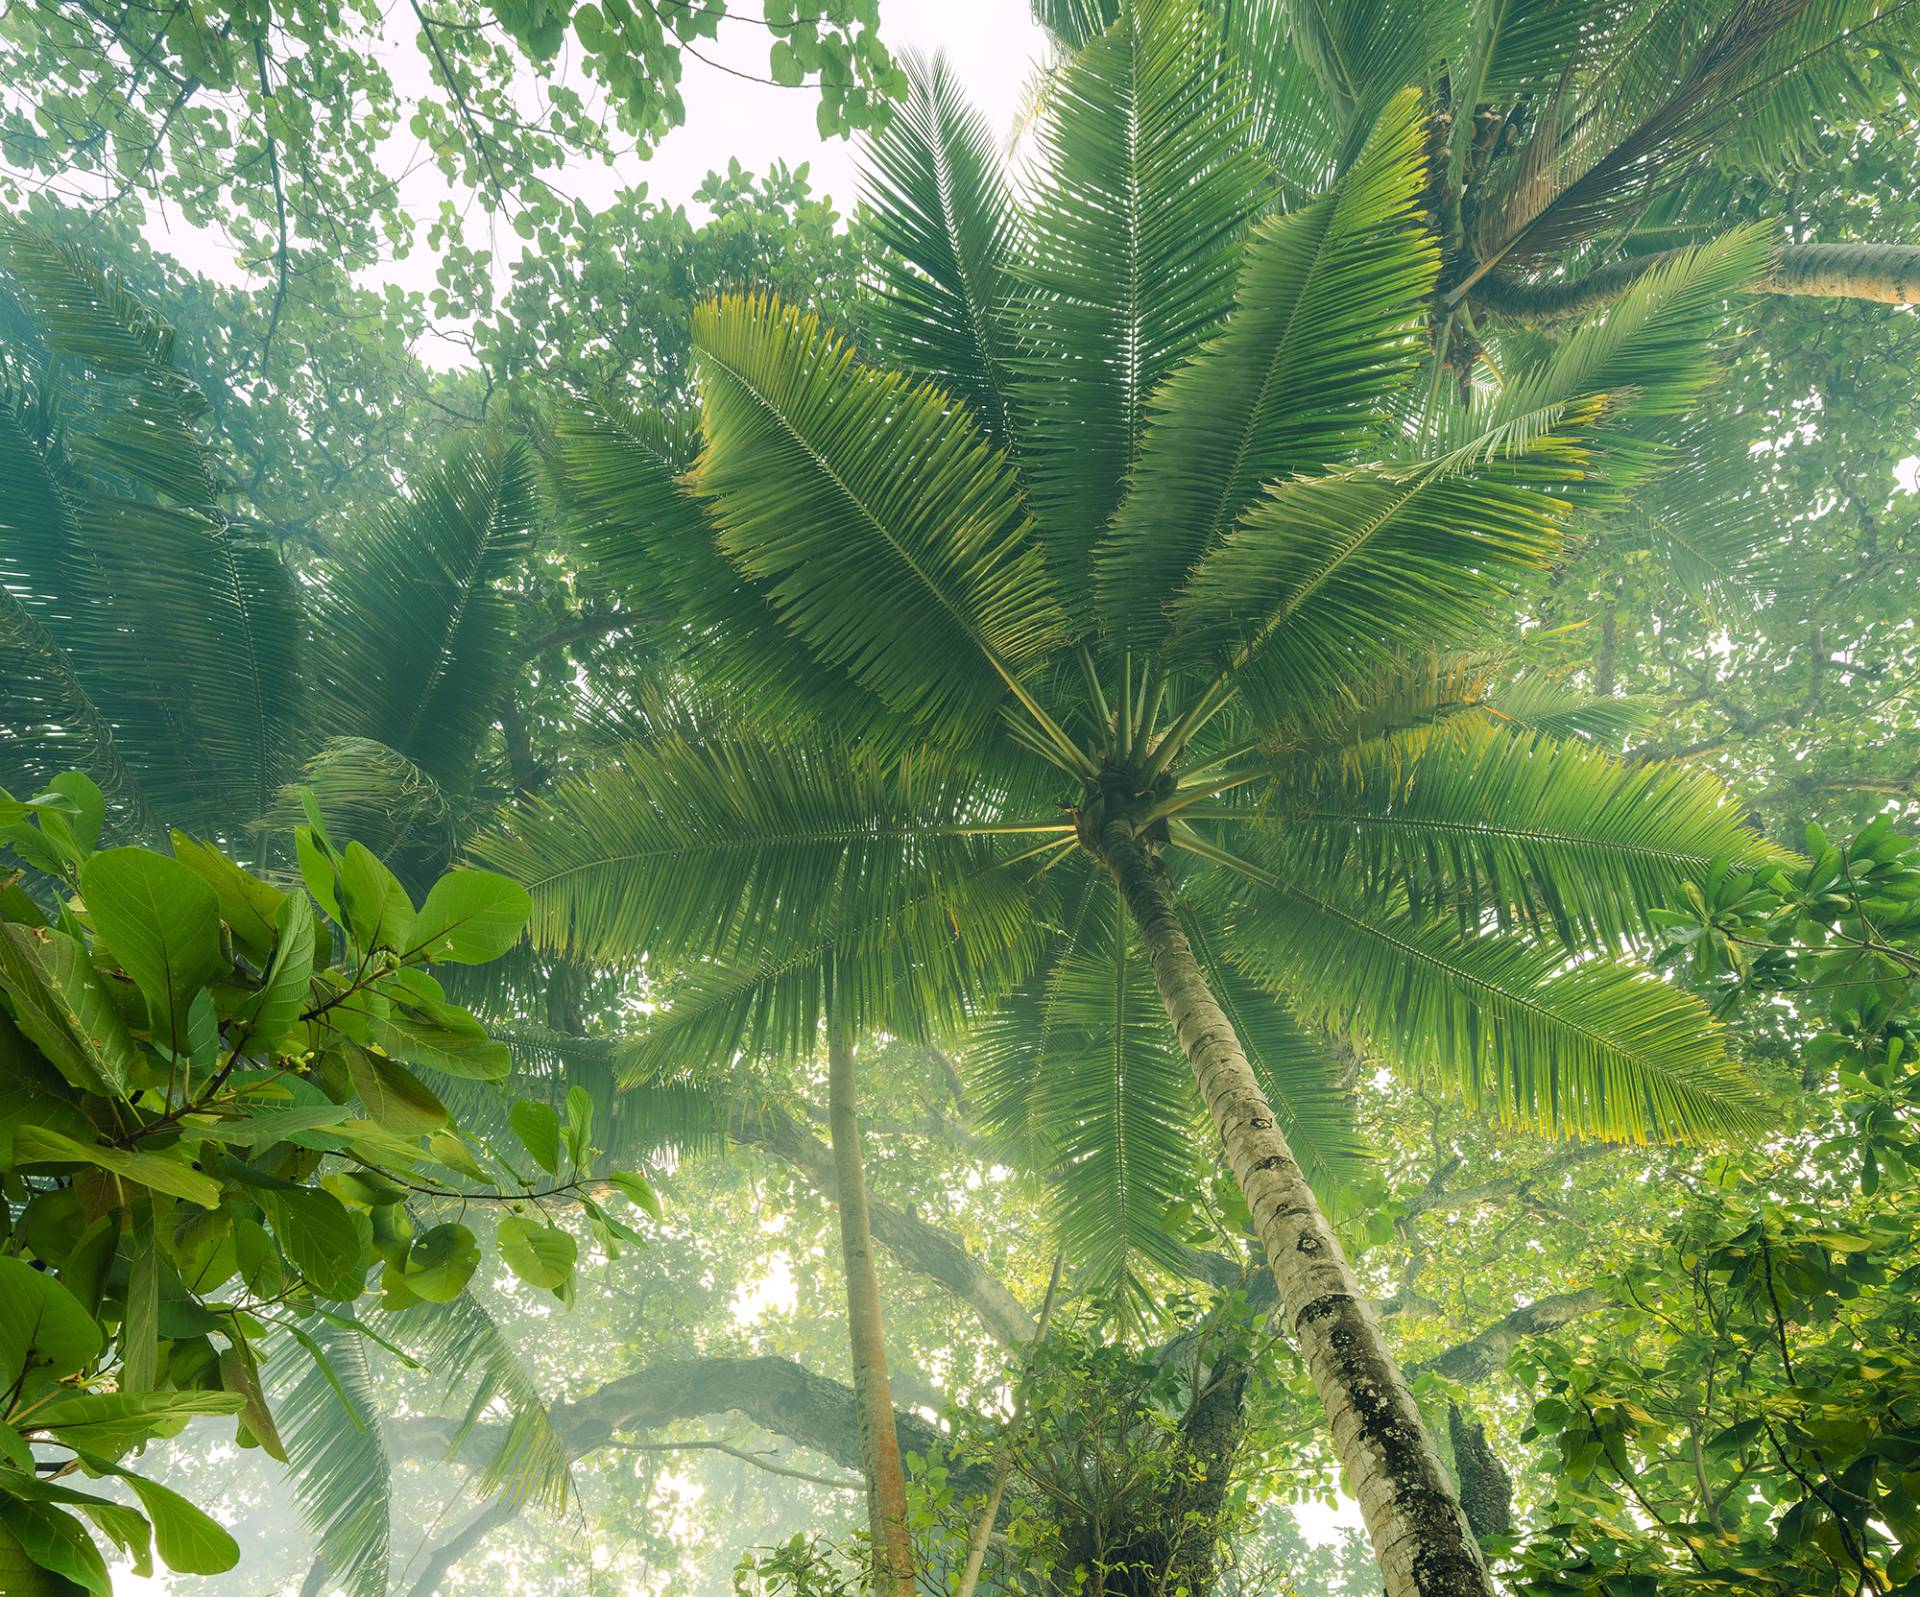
(1107, 679)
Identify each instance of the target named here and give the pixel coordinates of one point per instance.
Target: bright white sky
(994, 44)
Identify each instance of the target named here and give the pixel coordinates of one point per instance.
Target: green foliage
(213, 1128)
(1756, 1424)
(281, 126)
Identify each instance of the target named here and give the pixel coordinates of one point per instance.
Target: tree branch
(1887, 273)
(1480, 1356)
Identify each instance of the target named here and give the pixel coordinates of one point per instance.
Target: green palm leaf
(1595, 1047)
(1328, 321)
(461, 1339)
(1558, 835)
(340, 1473)
(412, 632)
(618, 473)
(1329, 580)
(731, 845)
(147, 640)
(922, 965)
(1113, 1099)
(889, 535)
(1147, 180)
(945, 220)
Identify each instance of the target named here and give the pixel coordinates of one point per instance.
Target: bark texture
(1888, 273)
(1486, 1489)
(879, 1443)
(1420, 1537)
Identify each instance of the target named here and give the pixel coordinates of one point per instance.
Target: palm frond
(1557, 836)
(922, 964)
(1331, 580)
(1112, 1097)
(148, 640)
(461, 1340)
(728, 846)
(1362, 52)
(1328, 320)
(945, 221)
(1147, 179)
(340, 1473)
(1649, 95)
(889, 534)
(1073, 24)
(619, 476)
(1652, 346)
(1595, 1047)
(412, 635)
(380, 798)
(1710, 519)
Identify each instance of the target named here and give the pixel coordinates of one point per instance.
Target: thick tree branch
(1887, 273)
(441, 1560)
(1480, 1356)
(775, 1393)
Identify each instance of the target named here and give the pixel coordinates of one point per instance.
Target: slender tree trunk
(879, 1441)
(1888, 273)
(1421, 1539)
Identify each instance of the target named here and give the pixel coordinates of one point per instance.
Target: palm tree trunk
(879, 1441)
(1888, 273)
(1420, 1536)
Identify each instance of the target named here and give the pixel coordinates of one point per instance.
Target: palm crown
(1226, 595)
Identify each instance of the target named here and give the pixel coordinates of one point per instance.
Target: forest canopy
(1176, 858)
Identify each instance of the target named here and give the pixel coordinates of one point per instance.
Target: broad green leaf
(188, 1540)
(162, 923)
(468, 1053)
(140, 1329)
(379, 913)
(238, 1373)
(249, 906)
(42, 1326)
(320, 1240)
(537, 1125)
(86, 805)
(471, 917)
(168, 1172)
(579, 1123)
(541, 1255)
(55, 1542)
(61, 1002)
(631, 1184)
(394, 1096)
(125, 1526)
(440, 1262)
(111, 1422)
(284, 992)
(318, 872)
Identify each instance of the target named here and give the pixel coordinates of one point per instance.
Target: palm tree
(1131, 635)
